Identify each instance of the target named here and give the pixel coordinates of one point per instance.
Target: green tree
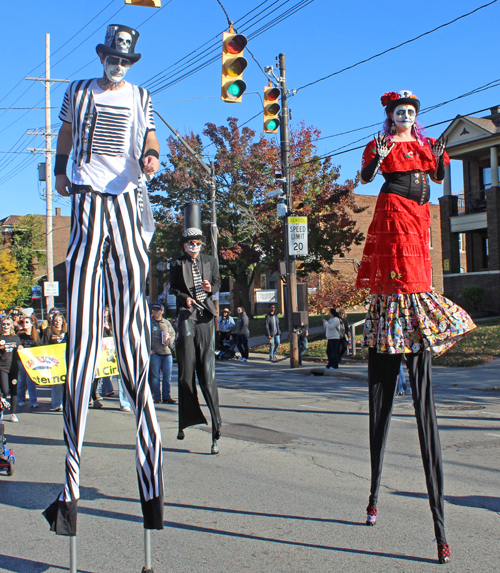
(28, 249)
(250, 233)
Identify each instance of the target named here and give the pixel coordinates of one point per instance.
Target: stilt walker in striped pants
(108, 123)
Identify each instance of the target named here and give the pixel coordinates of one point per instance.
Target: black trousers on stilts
(196, 358)
(383, 371)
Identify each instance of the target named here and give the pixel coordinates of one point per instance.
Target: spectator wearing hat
(162, 345)
(194, 279)
(108, 124)
(226, 324)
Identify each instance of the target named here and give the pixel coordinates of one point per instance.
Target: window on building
(461, 242)
(487, 176)
(430, 237)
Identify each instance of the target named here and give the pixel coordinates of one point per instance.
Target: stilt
(147, 552)
(72, 554)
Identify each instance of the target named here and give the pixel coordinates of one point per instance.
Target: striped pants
(108, 250)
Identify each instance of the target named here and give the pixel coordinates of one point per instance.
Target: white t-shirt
(112, 167)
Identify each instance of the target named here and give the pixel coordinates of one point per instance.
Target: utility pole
(291, 276)
(48, 170)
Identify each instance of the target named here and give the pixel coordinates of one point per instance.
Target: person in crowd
(108, 123)
(405, 316)
(194, 279)
(162, 344)
(55, 333)
(29, 338)
(401, 387)
(105, 388)
(16, 315)
(332, 332)
(226, 326)
(242, 333)
(344, 333)
(302, 334)
(273, 332)
(9, 343)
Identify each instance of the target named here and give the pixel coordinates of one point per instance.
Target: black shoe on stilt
(371, 515)
(180, 435)
(443, 553)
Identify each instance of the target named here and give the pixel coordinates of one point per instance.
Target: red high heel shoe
(443, 553)
(371, 515)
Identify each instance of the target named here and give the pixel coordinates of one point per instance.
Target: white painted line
(496, 435)
(407, 421)
(307, 406)
(491, 413)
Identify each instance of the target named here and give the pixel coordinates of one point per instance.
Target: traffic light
(149, 3)
(300, 265)
(298, 205)
(233, 65)
(271, 109)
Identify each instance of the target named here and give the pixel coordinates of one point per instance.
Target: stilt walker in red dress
(406, 317)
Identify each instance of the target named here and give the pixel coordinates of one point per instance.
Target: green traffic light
(234, 90)
(272, 125)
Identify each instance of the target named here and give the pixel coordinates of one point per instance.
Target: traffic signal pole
(291, 276)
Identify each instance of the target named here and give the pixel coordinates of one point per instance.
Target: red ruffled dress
(405, 314)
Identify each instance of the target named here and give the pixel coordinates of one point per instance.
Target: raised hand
(439, 146)
(383, 149)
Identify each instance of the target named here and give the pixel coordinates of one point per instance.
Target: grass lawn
(480, 346)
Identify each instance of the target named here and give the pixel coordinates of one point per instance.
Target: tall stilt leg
(72, 554)
(147, 552)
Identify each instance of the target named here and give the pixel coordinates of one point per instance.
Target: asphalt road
(287, 493)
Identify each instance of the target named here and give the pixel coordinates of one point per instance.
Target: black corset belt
(413, 185)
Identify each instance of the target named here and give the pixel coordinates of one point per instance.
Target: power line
(398, 46)
(178, 75)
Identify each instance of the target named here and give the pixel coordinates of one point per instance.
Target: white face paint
(115, 68)
(404, 116)
(192, 248)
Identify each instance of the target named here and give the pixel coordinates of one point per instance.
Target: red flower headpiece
(388, 97)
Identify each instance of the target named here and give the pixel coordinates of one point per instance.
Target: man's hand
(207, 287)
(63, 185)
(150, 164)
(189, 302)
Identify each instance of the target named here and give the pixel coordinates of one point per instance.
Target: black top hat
(391, 100)
(192, 223)
(120, 41)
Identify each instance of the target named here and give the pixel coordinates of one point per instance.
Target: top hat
(192, 223)
(120, 41)
(391, 100)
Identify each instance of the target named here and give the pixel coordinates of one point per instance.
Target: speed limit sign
(297, 236)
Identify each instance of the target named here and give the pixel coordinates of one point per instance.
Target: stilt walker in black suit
(194, 279)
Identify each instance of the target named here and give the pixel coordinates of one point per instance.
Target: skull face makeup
(404, 116)
(123, 41)
(115, 68)
(193, 247)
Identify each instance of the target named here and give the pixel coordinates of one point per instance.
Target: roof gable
(464, 129)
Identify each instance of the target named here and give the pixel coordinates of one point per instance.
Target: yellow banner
(46, 365)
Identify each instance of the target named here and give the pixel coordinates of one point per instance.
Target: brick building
(60, 239)
(470, 220)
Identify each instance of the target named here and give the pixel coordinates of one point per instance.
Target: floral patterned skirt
(404, 323)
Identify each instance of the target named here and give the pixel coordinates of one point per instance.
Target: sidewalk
(485, 378)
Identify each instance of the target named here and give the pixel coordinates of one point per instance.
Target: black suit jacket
(181, 280)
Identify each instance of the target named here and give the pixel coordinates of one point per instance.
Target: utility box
(42, 172)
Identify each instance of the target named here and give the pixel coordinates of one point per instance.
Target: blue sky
(323, 37)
